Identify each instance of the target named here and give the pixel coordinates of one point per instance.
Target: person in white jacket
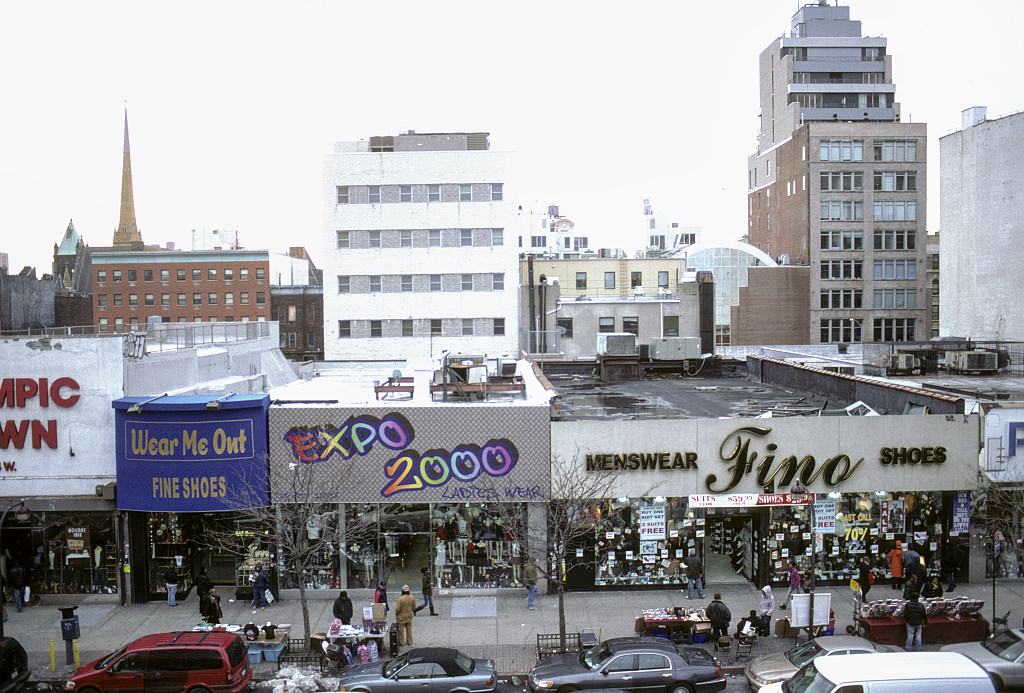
(765, 609)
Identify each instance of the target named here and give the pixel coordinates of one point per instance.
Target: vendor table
(264, 648)
(677, 622)
(939, 629)
(352, 636)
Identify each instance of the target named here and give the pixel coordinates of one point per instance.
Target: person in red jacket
(896, 565)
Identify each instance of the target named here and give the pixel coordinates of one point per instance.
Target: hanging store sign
(961, 513)
(748, 500)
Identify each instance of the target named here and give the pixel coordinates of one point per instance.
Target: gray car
(424, 670)
(1002, 656)
(637, 665)
(781, 666)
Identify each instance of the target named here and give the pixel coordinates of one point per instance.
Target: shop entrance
(727, 547)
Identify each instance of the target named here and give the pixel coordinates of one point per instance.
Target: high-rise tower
(838, 181)
(127, 232)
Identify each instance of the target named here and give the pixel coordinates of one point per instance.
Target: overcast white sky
(232, 105)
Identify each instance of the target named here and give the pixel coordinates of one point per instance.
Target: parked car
(1002, 656)
(14, 671)
(780, 666)
(638, 665)
(424, 670)
(170, 663)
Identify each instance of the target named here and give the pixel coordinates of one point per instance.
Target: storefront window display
(69, 552)
(643, 541)
(172, 543)
(852, 526)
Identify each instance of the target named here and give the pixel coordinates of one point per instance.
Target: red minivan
(183, 662)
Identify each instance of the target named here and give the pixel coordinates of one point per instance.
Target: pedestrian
(694, 575)
(203, 586)
(260, 585)
(719, 615)
(912, 587)
(405, 609)
(807, 582)
(748, 625)
(381, 596)
(916, 616)
(428, 592)
(16, 575)
(171, 580)
(765, 609)
(794, 584)
(343, 608)
(209, 607)
(865, 577)
(530, 578)
(913, 565)
(896, 565)
(932, 588)
(949, 566)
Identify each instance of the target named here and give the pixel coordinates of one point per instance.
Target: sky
(233, 104)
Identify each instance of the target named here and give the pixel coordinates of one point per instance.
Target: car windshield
(595, 656)
(465, 662)
(1007, 645)
(808, 680)
(395, 664)
(111, 657)
(803, 653)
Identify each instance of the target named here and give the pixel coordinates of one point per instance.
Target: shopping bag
(28, 594)
(270, 597)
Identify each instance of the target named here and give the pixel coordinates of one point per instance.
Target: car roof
(883, 666)
(210, 638)
(843, 642)
(617, 644)
(442, 655)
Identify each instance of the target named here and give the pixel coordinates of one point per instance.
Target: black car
(638, 665)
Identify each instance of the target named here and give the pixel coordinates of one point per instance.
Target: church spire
(127, 233)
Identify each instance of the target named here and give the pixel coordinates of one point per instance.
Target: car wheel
(88, 690)
(198, 689)
(680, 688)
(568, 689)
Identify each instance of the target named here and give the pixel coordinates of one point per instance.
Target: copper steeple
(127, 233)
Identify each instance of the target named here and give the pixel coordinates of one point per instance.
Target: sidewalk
(484, 623)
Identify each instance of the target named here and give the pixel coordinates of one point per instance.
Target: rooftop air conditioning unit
(616, 344)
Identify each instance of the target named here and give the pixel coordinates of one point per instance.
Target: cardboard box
(378, 613)
(784, 630)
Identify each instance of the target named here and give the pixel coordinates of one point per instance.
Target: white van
(896, 672)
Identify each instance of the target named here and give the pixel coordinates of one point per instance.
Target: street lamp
(21, 513)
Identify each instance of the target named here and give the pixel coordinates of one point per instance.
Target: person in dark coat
(260, 585)
(427, 588)
(932, 588)
(381, 596)
(916, 617)
(912, 587)
(343, 608)
(694, 575)
(719, 615)
(864, 577)
(210, 606)
(203, 586)
(171, 580)
(16, 576)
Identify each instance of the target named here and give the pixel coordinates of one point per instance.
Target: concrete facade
(420, 248)
(604, 278)
(26, 303)
(982, 210)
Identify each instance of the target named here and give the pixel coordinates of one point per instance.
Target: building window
(662, 279)
(375, 284)
(261, 273)
(433, 193)
(165, 300)
(133, 300)
(467, 327)
(117, 300)
(895, 269)
(434, 238)
(935, 291)
(211, 298)
(132, 276)
(407, 328)
(841, 150)
(344, 329)
(243, 274)
(376, 328)
(895, 150)
(896, 240)
(466, 238)
(631, 325)
(243, 298)
(291, 340)
(842, 210)
(229, 299)
(636, 279)
(842, 269)
(165, 275)
(197, 275)
(835, 239)
(580, 243)
(148, 275)
(101, 300)
(118, 324)
(609, 280)
(467, 282)
(375, 239)
(229, 275)
(406, 282)
(538, 241)
(197, 299)
(149, 299)
(311, 339)
(180, 275)
(261, 299)
(103, 326)
(581, 280)
(116, 275)
(405, 238)
(606, 324)
(182, 299)
(374, 191)
(282, 315)
(465, 192)
(310, 313)
(101, 276)
(564, 326)
(342, 194)
(895, 210)
(435, 327)
(841, 298)
(133, 323)
(211, 275)
(435, 282)
(895, 298)
(344, 284)
(895, 181)
(833, 330)
(342, 239)
(405, 193)
(498, 281)
(842, 181)
(497, 237)
(499, 327)
(496, 192)
(894, 329)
